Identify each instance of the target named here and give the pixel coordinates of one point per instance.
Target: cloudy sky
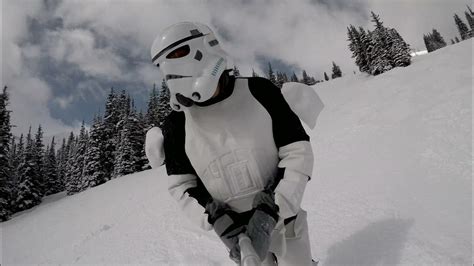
(61, 57)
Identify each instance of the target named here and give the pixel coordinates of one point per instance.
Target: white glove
(154, 147)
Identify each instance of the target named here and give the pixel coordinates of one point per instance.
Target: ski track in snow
(392, 185)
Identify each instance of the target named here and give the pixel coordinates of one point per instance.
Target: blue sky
(60, 58)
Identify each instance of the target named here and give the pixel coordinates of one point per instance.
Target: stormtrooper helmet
(191, 60)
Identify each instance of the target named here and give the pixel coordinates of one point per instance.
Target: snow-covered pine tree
(111, 118)
(60, 158)
(462, 27)
(271, 74)
(401, 50)
(456, 39)
(452, 41)
(306, 79)
(236, 71)
(16, 160)
(336, 71)
(429, 43)
(279, 79)
(254, 74)
(123, 106)
(294, 78)
(67, 159)
(6, 171)
(53, 183)
(38, 151)
(164, 108)
(29, 186)
(285, 78)
(13, 161)
(137, 136)
(94, 173)
(326, 76)
(470, 21)
(381, 55)
(359, 42)
(366, 46)
(152, 115)
(76, 162)
(129, 151)
(439, 40)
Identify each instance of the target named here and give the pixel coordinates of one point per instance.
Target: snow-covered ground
(392, 185)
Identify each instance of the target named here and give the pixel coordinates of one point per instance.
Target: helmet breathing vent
(213, 43)
(198, 55)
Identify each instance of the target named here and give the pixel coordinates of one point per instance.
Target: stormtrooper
(237, 156)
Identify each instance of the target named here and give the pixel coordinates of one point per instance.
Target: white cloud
(29, 94)
(78, 47)
(29, 100)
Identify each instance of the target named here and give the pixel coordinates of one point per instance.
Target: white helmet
(191, 61)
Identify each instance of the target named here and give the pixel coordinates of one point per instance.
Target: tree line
(279, 78)
(113, 146)
(434, 40)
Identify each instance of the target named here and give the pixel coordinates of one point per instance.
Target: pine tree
(400, 49)
(462, 27)
(456, 39)
(366, 49)
(336, 71)
(153, 113)
(6, 173)
(61, 157)
(38, 151)
(52, 182)
(381, 54)
(29, 185)
(438, 39)
(68, 160)
(111, 119)
(306, 79)
(236, 71)
(94, 173)
(271, 74)
(13, 161)
(164, 108)
(294, 78)
(326, 76)
(279, 79)
(359, 44)
(254, 74)
(452, 41)
(129, 153)
(428, 39)
(76, 162)
(469, 19)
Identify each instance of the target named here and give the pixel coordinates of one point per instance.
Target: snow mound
(392, 185)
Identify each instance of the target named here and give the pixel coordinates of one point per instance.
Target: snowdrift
(392, 184)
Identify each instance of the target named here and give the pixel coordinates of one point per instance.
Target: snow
(416, 53)
(392, 184)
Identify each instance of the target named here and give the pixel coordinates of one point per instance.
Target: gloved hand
(262, 222)
(227, 226)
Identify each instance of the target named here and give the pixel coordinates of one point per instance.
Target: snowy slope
(391, 185)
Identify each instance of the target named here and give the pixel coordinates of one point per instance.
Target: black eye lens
(179, 52)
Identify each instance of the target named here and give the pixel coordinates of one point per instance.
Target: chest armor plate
(230, 145)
